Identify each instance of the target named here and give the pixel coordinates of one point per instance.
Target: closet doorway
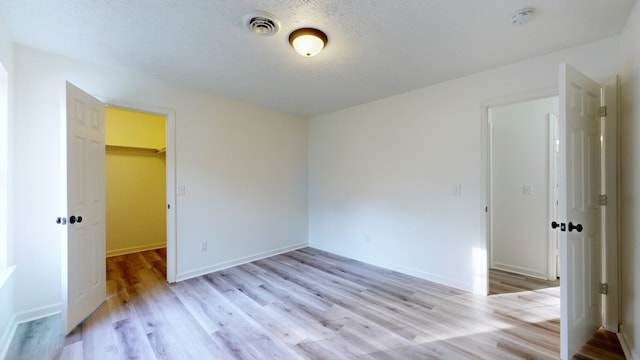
(136, 181)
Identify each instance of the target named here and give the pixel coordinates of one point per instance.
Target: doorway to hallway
(523, 158)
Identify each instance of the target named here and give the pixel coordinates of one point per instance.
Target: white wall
(519, 157)
(7, 304)
(244, 168)
(135, 202)
(381, 175)
(630, 187)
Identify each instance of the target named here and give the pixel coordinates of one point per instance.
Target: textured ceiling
(377, 48)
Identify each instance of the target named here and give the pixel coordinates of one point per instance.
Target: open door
(580, 218)
(83, 249)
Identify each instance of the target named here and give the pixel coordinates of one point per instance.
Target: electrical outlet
(203, 246)
(527, 189)
(457, 189)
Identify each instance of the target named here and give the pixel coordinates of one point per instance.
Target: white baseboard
(235, 262)
(23, 317)
(402, 269)
(135, 249)
(9, 328)
(520, 270)
(628, 350)
(7, 336)
(38, 313)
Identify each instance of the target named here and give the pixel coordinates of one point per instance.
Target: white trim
(7, 333)
(486, 183)
(38, 313)
(487, 176)
(553, 249)
(239, 261)
(135, 249)
(629, 352)
(170, 161)
(4, 172)
(611, 212)
(7, 337)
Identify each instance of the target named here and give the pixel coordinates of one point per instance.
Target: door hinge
(602, 200)
(604, 288)
(603, 111)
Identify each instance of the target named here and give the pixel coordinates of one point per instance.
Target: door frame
(487, 178)
(611, 213)
(553, 270)
(611, 221)
(170, 122)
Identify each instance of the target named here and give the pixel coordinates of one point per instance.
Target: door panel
(84, 277)
(579, 180)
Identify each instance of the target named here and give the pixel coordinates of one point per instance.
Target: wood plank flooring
(502, 282)
(305, 304)
(603, 345)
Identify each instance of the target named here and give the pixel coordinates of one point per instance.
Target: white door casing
(610, 186)
(553, 248)
(170, 144)
(83, 249)
(579, 183)
(518, 145)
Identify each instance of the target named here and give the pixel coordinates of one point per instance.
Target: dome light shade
(308, 41)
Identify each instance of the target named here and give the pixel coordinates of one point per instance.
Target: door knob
(72, 219)
(555, 225)
(79, 219)
(575, 227)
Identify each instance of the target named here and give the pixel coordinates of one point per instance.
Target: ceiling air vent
(522, 16)
(262, 23)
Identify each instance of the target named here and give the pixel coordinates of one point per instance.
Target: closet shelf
(136, 149)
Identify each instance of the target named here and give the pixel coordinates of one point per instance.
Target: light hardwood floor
(502, 282)
(306, 304)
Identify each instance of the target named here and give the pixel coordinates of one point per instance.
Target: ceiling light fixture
(308, 41)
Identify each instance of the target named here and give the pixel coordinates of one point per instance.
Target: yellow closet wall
(135, 181)
(135, 129)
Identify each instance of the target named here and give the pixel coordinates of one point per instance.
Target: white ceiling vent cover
(523, 16)
(262, 23)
